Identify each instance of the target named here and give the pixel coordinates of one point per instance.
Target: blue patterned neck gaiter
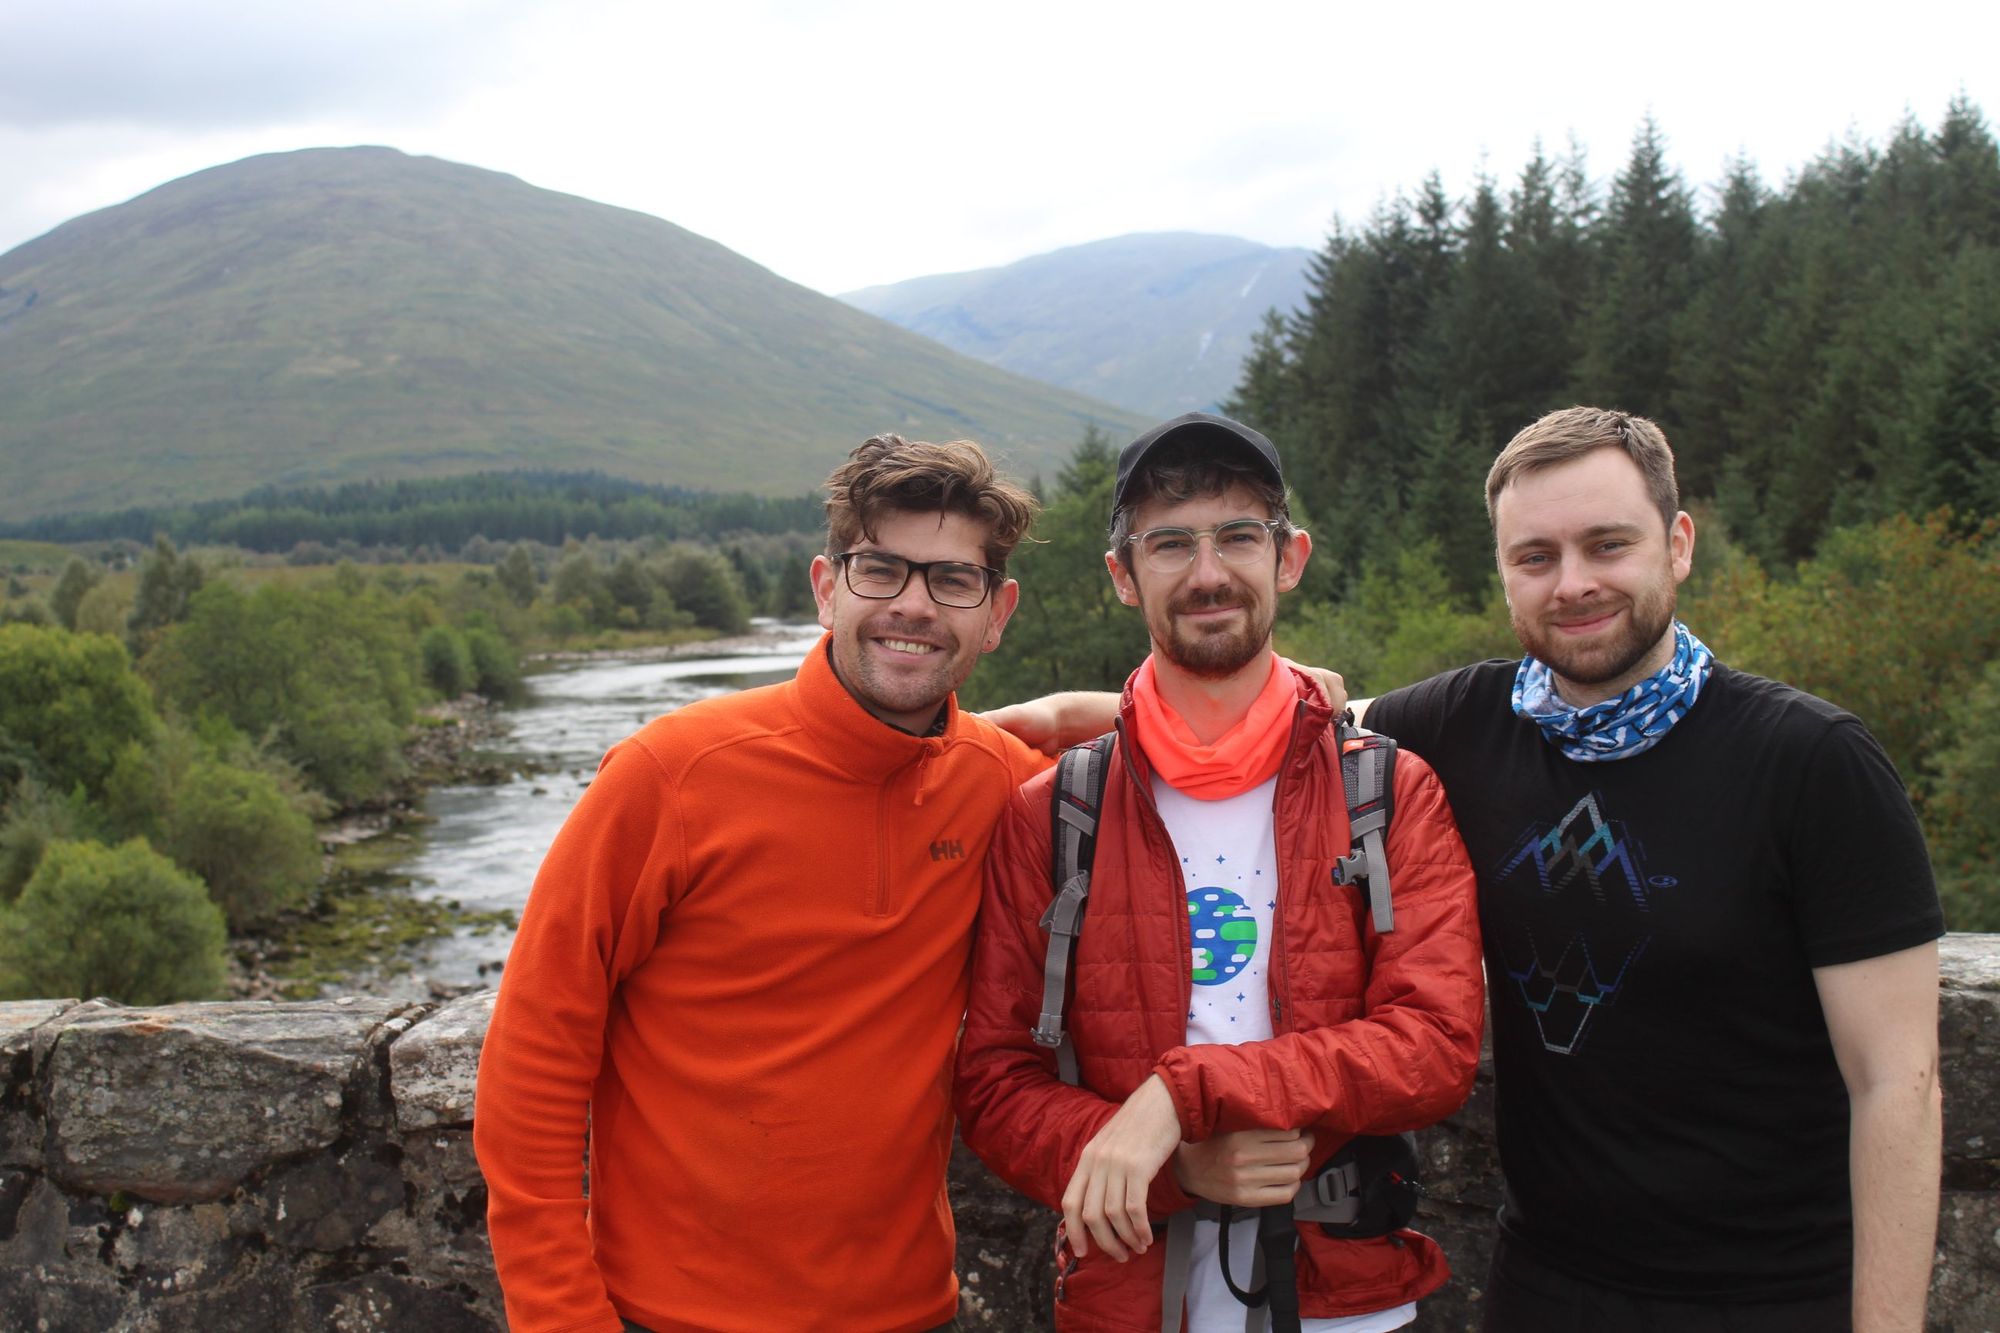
(1633, 723)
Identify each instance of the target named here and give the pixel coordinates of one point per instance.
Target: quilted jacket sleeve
(1408, 1060)
(1014, 1111)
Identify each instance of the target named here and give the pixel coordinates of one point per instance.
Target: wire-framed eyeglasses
(1241, 541)
(950, 582)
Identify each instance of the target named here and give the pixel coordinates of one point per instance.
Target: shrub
(517, 576)
(34, 820)
(118, 922)
(1963, 813)
(1893, 622)
(563, 622)
(77, 579)
(496, 671)
(104, 610)
(239, 832)
(704, 585)
(1400, 624)
(323, 672)
(447, 664)
(72, 700)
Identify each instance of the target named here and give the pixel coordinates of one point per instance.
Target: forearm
(1382, 1074)
(528, 1130)
(1407, 1060)
(1055, 722)
(546, 1043)
(1882, 1014)
(1894, 1160)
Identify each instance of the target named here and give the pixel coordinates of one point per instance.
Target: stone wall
(264, 1166)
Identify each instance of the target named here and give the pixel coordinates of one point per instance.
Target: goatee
(1219, 652)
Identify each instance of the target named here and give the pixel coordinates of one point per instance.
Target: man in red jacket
(1236, 1016)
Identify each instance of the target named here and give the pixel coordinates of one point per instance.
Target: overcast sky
(849, 144)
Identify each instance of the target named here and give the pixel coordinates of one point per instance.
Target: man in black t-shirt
(1710, 930)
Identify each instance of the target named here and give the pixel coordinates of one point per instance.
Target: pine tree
(1648, 248)
(1502, 328)
(1968, 200)
(1715, 330)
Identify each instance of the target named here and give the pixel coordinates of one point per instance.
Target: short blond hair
(1573, 432)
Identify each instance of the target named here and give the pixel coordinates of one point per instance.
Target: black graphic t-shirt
(1671, 1117)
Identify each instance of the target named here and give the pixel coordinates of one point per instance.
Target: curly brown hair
(889, 474)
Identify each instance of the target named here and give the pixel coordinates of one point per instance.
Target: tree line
(1822, 354)
(544, 507)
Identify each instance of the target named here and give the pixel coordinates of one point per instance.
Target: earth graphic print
(1224, 934)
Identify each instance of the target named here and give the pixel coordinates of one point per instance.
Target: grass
(19, 557)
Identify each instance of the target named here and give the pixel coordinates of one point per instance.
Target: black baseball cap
(1203, 431)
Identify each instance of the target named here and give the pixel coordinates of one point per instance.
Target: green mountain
(1159, 322)
(340, 314)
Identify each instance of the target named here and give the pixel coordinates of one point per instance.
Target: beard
(1214, 652)
(913, 688)
(1610, 655)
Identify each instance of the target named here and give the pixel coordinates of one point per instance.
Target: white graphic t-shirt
(1229, 871)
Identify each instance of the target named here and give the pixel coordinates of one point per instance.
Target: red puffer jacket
(1376, 1034)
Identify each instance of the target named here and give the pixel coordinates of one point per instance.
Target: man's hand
(1250, 1168)
(1106, 1199)
(1330, 683)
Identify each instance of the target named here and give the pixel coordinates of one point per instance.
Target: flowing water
(485, 842)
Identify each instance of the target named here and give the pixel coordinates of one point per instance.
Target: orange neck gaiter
(1245, 755)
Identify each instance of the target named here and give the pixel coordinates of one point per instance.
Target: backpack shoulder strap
(1079, 795)
(1367, 775)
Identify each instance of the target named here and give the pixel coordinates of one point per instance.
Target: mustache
(1219, 599)
(894, 627)
(1581, 612)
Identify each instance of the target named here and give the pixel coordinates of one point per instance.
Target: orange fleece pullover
(743, 966)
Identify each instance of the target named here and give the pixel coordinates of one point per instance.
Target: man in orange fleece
(742, 967)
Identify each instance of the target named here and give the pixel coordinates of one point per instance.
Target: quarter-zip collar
(848, 735)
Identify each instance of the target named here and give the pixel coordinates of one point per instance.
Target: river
(484, 843)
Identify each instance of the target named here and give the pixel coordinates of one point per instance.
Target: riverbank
(421, 892)
(363, 911)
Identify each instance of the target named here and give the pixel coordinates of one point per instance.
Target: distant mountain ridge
(1157, 322)
(333, 315)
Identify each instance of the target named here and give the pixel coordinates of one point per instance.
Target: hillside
(337, 314)
(1158, 323)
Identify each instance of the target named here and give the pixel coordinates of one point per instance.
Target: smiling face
(1591, 572)
(1212, 619)
(901, 656)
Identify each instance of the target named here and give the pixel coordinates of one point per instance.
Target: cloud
(212, 64)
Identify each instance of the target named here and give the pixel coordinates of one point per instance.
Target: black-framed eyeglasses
(950, 582)
(1240, 541)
